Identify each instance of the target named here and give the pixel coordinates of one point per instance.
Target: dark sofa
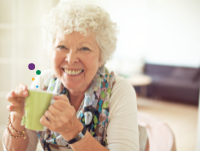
(173, 83)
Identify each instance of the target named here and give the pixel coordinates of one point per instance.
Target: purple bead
(31, 66)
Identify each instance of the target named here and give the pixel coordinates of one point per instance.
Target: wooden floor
(180, 117)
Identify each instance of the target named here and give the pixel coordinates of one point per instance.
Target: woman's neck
(76, 99)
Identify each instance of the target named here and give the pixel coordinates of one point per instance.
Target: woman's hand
(16, 98)
(62, 118)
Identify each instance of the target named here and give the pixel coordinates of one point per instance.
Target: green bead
(38, 72)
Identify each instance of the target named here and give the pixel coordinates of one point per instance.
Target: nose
(72, 57)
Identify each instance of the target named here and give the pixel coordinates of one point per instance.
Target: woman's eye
(85, 48)
(61, 47)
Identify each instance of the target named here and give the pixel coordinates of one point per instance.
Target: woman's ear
(101, 64)
(100, 61)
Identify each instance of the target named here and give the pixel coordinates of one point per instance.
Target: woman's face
(75, 60)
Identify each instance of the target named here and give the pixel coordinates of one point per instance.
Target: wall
(20, 44)
(156, 31)
(173, 35)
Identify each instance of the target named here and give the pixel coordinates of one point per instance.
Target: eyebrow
(62, 42)
(83, 42)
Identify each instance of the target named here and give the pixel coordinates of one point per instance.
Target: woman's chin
(71, 85)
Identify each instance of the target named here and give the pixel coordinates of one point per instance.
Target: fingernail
(9, 107)
(24, 93)
(23, 87)
(12, 93)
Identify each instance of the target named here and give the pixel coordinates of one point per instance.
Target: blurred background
(158, 51)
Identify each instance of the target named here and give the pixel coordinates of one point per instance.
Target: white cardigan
(122, 132)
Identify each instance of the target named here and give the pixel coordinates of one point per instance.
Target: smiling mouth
(72, 72)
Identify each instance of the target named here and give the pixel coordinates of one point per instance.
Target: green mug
(36, 104)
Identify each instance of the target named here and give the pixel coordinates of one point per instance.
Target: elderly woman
(95, 110)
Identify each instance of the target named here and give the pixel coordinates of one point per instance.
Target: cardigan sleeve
(122, 132)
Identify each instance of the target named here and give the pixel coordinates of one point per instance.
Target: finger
(9, 107)
(21, 86)
(60, 102)
(10, 94)
(21, 90)
(62, 97)
(45, 122)
(20, 93)
(54, 111)
(17, 109)
(60, 105)
(50, 117)
(16, 101)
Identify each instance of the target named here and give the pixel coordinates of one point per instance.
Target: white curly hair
(84, 18)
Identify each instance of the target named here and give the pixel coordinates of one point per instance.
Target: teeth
(72, 72)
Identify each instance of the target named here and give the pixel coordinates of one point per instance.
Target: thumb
(61, 97)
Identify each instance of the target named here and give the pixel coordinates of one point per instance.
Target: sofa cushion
(169, 82)
(197, 76)
(182, 73)
(158, 70)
